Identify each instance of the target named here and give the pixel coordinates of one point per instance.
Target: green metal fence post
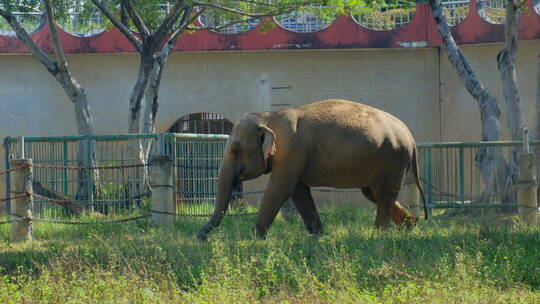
(175, 169)
(462, 174)
(90, 175)
(65, 183)
(429, 179)
(7, 153)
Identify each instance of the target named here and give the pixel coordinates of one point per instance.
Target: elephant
(335, 143)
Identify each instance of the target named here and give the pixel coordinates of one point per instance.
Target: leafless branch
(27, 40)
(257, 3)
(167, 48)
(228, 9)
(58, 50)
(137, 21)
(319, 2)
(119, 25)
(216, 28)
(169, 20)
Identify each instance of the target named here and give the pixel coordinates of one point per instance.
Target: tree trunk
(152, 103)
(138, 179)
(537, 120)
(489, 159)
(506, 62)
(87, 180)
(136, 99)
(75, 92)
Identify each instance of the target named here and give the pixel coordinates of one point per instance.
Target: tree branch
(216, 28)
(506, 62)
(257, 3)
(28, 42)
(228, 9)
(169, 20)
(167, 48)
(137, 21)
(119, 25)
(58, 50)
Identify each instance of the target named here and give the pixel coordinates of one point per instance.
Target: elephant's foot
(203, 232)
(315, 228)
(202, 235)
(383, 224)
(402, 217)
(260, 232)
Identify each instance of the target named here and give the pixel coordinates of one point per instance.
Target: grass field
(442, 261)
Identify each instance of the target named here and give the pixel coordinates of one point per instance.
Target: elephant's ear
(268, 139)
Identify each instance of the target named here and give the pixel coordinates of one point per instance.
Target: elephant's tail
(414, 165)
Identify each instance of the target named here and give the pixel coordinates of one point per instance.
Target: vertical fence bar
(462, 174)
(7, 154)
(89, 174)
(65, 157)
(429, 179)
(175, 168)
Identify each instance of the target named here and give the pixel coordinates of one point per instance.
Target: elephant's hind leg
(369, 194)
(303, 201)
(401, 216)
(394, 211)
(385, 194)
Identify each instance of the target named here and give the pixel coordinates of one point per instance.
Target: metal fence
(452, 179)
(68, 178)
(455, 11)
(30, 21)
(109, 178)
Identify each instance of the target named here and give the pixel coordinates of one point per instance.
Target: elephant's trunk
(226, 181)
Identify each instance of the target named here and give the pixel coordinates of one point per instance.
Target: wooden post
(527, 186)
(21, 208)
(409, 194)
(163, 205)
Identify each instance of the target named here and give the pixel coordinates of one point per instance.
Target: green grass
(442, 261)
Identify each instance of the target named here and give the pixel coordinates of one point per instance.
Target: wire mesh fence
(383, 17)
(455, 11)
(196, 162)
(30, 21)
(102, 174)
(83, 26)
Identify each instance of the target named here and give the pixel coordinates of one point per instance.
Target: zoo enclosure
(449, 174)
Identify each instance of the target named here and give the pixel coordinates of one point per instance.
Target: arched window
(202, 123)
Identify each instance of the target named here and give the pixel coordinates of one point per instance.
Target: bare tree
(537, 121)
(59, 69)
(506, 62)
(155, 42)
(488, 159)
(154, 48)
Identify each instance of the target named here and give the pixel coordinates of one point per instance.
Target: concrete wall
(413, 84)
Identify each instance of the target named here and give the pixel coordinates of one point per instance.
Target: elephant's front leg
(303, 201)
(279, 189)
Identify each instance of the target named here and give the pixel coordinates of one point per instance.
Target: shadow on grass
(348, 245)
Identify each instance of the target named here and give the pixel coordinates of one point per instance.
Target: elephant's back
(354, 120)
(349, 141)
